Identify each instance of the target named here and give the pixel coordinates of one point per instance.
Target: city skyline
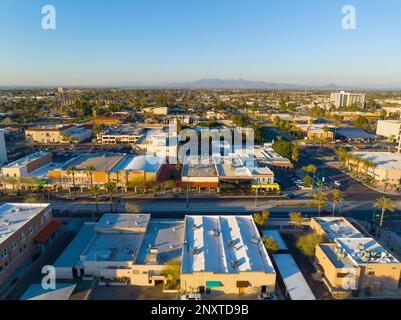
(122, 44)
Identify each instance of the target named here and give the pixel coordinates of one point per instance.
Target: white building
(3, 148)
(389, 128)
(346, 99)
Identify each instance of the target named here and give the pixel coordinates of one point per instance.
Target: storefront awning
(46, 233)
(213, 284)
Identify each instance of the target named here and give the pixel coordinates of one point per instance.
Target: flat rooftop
(387, 160)
(338, 260)
(232, 167)
(122, 130)
(167, 237)
(366, 250)
(275, 234)
(223, 244)
(25, 160)
(354, 133)
(100, 162)
(15, 215)
(199, 167)
(123, 222)
(114, 247)
(71, 255)
(338, 227)
(146, 163)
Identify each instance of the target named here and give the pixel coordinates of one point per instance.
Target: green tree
(336, 197)
(32, 199)
(89, 170)
(259, 134)
(307, 243)
(384, 204)
(295, 152)
(132, 208)
(71, 172)
(320, 200)
(261, 219)
(270, 244)
(169, 184)
(296, 218)
(111, 187)
(308, 181)
(172, 271)
(283, 148)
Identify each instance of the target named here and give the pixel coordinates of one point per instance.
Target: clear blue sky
(153, 41)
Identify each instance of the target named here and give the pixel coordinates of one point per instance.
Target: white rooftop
(366, 250)
(297, 287)
(338, 227)
(223, 244)
(123, 222)
(15, 215)
(387, 160)
(25, 160)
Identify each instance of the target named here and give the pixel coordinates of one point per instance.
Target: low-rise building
(225, 254)
(57, 134)
(26, 165)
(389, 129)
(24, 227)
(386, 169)
(349, 260)
(126, 134)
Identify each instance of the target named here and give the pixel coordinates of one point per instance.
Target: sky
(112, 42)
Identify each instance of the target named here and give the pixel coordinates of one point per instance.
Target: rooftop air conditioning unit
(235, 264)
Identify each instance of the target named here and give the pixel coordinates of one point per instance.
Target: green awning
(213, 284)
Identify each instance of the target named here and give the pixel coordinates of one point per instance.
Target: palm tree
(89, 171)
(71, 172)
(320, 199)
(95, 192)
(111, 187)
(336, 197)
(367, 164)
(384, 204)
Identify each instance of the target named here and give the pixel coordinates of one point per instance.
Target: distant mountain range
(240, 84)
(225, 84)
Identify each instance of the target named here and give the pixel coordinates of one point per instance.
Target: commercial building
(315, 131)
(345, 99)
(126, 134)
(225, 254)
(129, 248)
(26, 165)
(386, 169)
(158, 143)
(389, 129)
(349, 260)
(156, 110)
(24, 228)
(58, 134)
(354, 134)
(266, 155)
(121, 169)
(3, 147)
(199, 172)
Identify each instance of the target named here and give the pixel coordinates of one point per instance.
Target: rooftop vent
(230, 243)
(255, 240)
(235, 264)
(195, 251)
(214, 233)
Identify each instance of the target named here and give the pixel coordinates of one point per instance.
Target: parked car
(191, 296)
(267, 296)
(337, 183)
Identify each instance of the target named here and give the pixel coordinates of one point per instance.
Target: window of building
(1, 269)
(30, 230)
(342, 275)
(42, 221)
(371, 273)
(14, 245)
(4, 253)
(23, 237)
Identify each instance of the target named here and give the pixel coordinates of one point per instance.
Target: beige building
(24, 166)
(57, 134)
(225, 254)
(348, 260)
(389, 129)
(386, 169)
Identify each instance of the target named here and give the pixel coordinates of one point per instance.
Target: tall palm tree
(71, 172)
(95, 192)
(89, 171)
(384, 204)
(367, 164)
(336, 197)
(320, 200)
(111, 187)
